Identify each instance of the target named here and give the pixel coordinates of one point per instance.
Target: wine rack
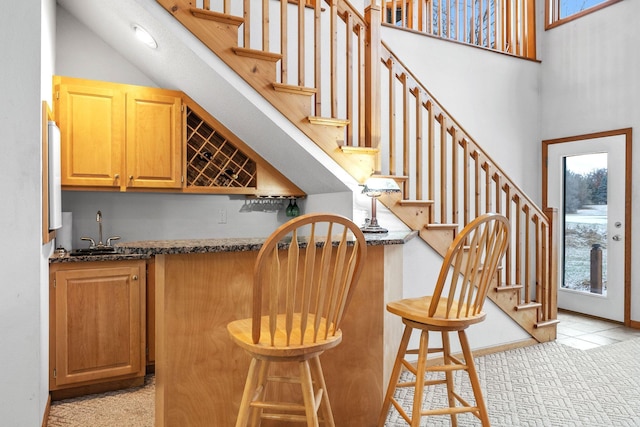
(213, 161)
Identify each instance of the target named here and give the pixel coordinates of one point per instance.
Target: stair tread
(505, 288)
(258, 54)
(301, 90)
(413, 202)
(394, 177)
(546, 323)
(217, 16)
(331, 121)
(435, 226)
(528, 306)
(348, 149)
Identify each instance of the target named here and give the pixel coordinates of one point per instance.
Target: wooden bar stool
(301, 289)
(468, 269)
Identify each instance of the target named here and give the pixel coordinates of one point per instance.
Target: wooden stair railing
(344, 91)
(508, 27)
(448, 180)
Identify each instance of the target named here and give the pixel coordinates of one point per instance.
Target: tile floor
(584, 332)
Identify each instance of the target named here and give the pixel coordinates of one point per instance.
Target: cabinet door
(99, 323)
(154, 138)
(92, 133)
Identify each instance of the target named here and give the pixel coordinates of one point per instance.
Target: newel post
(372, 16)
(552, 216)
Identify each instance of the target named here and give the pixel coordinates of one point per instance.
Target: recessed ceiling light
(144, 36)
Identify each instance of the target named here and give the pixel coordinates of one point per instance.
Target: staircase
(324, 67)
(220, 32)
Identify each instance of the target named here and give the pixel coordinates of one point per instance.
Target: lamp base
(373, 229)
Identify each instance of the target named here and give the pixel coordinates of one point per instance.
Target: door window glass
(585, 223)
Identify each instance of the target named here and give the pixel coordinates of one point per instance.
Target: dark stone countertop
(119, 256)
(146, 249)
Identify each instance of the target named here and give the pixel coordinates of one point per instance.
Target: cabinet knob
(116, 176)
(134, 277)
(131, 177)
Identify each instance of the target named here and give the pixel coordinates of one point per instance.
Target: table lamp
(374, 187)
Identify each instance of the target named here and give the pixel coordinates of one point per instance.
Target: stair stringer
(527, 319)
(416, 216)
(221, 38)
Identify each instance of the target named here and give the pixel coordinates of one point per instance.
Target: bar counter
(202, 285)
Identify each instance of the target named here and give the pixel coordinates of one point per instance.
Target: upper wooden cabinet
(119, 136)
(154, 138)
(133, 138)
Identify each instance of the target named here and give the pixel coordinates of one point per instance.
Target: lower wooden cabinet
(97, 326)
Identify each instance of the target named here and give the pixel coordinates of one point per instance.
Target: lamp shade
(375, 186)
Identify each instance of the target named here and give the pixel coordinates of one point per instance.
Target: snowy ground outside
(582, 230)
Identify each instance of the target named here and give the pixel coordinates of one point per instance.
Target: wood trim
(552, 20)
(103, 387)
(627, 230)
(47, 235)
(627, 132)
(47, 410)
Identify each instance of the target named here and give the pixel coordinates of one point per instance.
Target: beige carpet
(132, 407)
(542, 385)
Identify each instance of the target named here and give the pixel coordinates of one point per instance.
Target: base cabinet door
(98, 318)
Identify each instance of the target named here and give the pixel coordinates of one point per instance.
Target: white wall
(590, 70)
(23, 299)
(81, 53)
(47, 51)
(153, 216)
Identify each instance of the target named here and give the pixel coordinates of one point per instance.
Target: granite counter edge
(146, 249)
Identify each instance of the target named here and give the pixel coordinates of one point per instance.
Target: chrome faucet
(100, 244)
(99, 220)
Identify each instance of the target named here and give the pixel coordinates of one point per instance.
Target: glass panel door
(586, 182)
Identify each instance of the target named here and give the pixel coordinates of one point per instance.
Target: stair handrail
(482, 186)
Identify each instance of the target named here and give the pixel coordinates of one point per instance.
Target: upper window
(561, 11)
